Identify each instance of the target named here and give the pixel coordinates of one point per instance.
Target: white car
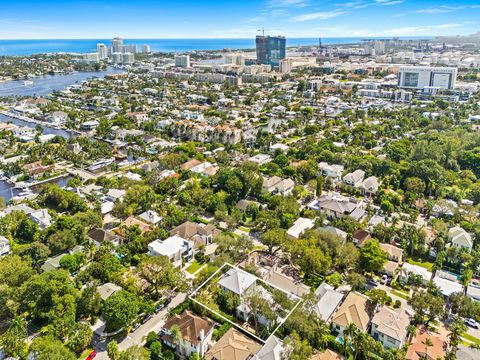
(384, 279)
(472, 323)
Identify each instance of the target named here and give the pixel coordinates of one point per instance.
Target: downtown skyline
(216, 19)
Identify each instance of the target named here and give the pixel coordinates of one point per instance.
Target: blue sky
(25, 19)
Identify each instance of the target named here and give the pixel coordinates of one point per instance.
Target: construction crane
(262, 30)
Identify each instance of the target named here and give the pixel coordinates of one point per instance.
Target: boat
(28, 82)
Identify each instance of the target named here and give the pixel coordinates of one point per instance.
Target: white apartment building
(102, 51)
(182, 61)
(419, 77)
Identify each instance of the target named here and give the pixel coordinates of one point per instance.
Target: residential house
(278, 185)
(369, 186)
(354, 178)
(332, 171)
(196, 334)
(418, 351)
(409, 270)
(36, 169)
(328, 301)
(57, 118)
(190, 164)
(447, 283)
(131, 221)
(52, 263)
(280, 278)
(4, 246)
(390, 327)
(336, 205)
(206, 169)
(460, 238)
(108, 289)
(151, 217)
(299, 227)
(360, 236)
(395, 258)
(233, 346)
(41, 217)
(327, 355)
(273, 349)
(115, 194)
(198, 233)
(98, 236)
(335, 231)
(177, 249)
(260, 159)
(237, 281)
(354, 309)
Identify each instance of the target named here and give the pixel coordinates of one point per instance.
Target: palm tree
(176, 335)
(349, 335)
(412, 331)
(428, 343)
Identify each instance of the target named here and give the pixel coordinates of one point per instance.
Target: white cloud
(423, 30)
(286, 3)
(388, 2)
(321, 15)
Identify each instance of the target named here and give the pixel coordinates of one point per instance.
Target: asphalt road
(138, 336)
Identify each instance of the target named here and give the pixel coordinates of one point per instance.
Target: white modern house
(175, 248)
(328, 300)
(299, 227)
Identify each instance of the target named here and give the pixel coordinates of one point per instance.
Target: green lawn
(194, 267)
(425, 264)
(244, 229)
(400, 294)
(471, 338)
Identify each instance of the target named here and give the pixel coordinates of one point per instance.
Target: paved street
(137, 337)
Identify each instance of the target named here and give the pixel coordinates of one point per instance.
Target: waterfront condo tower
(270, 49)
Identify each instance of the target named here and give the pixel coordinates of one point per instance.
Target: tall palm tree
(176, 335)
(428, 343)
(349, 335)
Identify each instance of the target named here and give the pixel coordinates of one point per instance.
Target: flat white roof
(167, 247)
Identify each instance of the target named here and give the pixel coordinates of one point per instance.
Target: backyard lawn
(425, 264)
(194, 266)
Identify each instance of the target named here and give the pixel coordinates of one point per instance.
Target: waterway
(41, 87)
(47, 84)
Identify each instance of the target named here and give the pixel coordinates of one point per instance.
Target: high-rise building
(182, 61)
(235, 59)
(129, 49)
(420, 77)
(270, 49)
(117, 45)
(146, 49)
(128, 58)
(102, 51)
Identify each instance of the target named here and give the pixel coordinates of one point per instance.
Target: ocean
(29, 47)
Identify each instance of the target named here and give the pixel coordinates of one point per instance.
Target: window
(410, 79)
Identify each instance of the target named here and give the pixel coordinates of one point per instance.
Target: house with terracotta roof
(195, 334)
(233, 346)
(390, 327)
(355, 309)
(418, 351)
(144, 227)
(327, 355)
(190, 164)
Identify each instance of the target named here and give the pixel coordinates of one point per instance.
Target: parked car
(146, 318)
(135, 326)
(372, 282)
(159, 308)
(472, 323)
(384, 279)
(91, 355)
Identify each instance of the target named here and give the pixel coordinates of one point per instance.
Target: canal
(41, 87)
